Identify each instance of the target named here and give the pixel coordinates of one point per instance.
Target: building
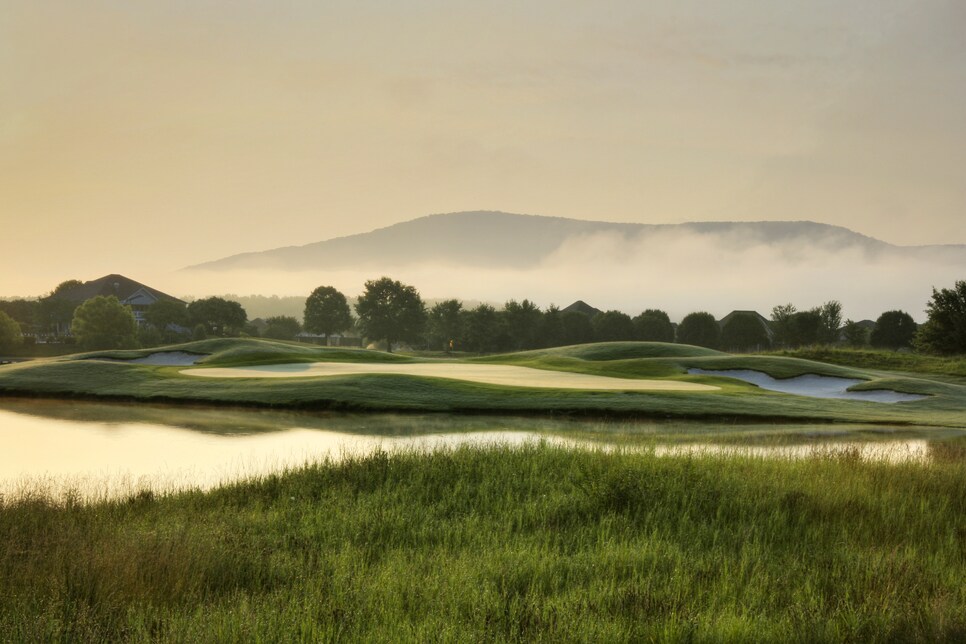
(765, 322)
(129, 292)
(581, 307)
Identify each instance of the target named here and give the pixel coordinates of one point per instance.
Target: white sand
(812, 385)
(485, 373)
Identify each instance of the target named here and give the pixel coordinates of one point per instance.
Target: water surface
(107, 449)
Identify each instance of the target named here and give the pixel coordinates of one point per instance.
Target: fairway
(505, 375)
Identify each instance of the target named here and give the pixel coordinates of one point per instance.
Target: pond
(110, 449)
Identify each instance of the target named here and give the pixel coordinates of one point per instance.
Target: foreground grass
(539, 543)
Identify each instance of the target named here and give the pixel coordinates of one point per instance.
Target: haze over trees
(102, 322)
(327, 312)
(944, 332)
(392, 311)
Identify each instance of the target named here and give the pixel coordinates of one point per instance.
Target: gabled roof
(765, 322)
(581, 307)
(119, 286)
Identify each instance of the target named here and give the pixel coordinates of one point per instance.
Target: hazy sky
(139, 137)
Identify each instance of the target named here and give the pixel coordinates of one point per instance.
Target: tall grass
(533, 543)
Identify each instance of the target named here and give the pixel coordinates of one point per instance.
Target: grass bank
(496, 544)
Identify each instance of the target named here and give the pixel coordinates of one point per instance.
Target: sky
(141, 137)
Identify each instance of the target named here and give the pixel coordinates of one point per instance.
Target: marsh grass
(504, 544)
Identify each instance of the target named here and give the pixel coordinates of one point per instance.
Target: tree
(830, 324)
(219, 316)
(613, 326)
(945, 330)
(893, 330)
(522, 323)
(743, 332)
(482, 330)
(551, 331)
(855, 334)
(781, 324)
(10, 334)
(699, 329)
(165, 313)
(104, 323)
(445, 325)
(654, 325)
(805, 328)
(327, 312)
(282, 327)
(577, 328)
(391, 310)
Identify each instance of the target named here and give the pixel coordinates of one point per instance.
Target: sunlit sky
(140, 137)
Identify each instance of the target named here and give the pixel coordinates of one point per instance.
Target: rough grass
(84, 376)
(887, 360)
(500, 544)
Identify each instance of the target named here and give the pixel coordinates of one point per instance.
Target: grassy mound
(608, 351)
(500, 544)
(225, 352)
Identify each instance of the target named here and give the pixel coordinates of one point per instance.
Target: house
(129, 292)
(761, 318)
(581, 307)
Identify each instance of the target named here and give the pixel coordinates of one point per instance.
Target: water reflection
(103, 449)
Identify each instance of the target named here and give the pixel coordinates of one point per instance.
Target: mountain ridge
(494, 238)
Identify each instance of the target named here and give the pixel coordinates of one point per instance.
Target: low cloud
(676, 271)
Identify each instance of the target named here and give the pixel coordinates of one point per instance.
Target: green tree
(445, 325)
(165, 313)
(391, 310)
(551, 332)
(25, 312)
(744, 332)
(10, 333)
(327, 312)
(805, 328)
(522, 323)
(830, 324)
(893, 330)
(945, 330)
(613, 326)
(781, 324)
(482, 329)
(577, 328)
(855, 334)
(104, 323)
(282, 327)
(654, 325)
(219, 316)
(699, 329)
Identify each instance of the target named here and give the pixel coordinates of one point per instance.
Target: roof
(761, 318)
(123, 288)
(581, 307)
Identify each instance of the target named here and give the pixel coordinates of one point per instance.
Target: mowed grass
(887, 360)
(91, 375)
(537, 543)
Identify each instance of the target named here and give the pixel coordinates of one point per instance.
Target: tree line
(391, 312)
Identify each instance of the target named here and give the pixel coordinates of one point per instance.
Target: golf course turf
(106, 375)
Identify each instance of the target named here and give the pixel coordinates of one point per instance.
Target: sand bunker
(811, 385)
(489, 374)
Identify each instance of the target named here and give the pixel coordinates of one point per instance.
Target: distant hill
(499, 239)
